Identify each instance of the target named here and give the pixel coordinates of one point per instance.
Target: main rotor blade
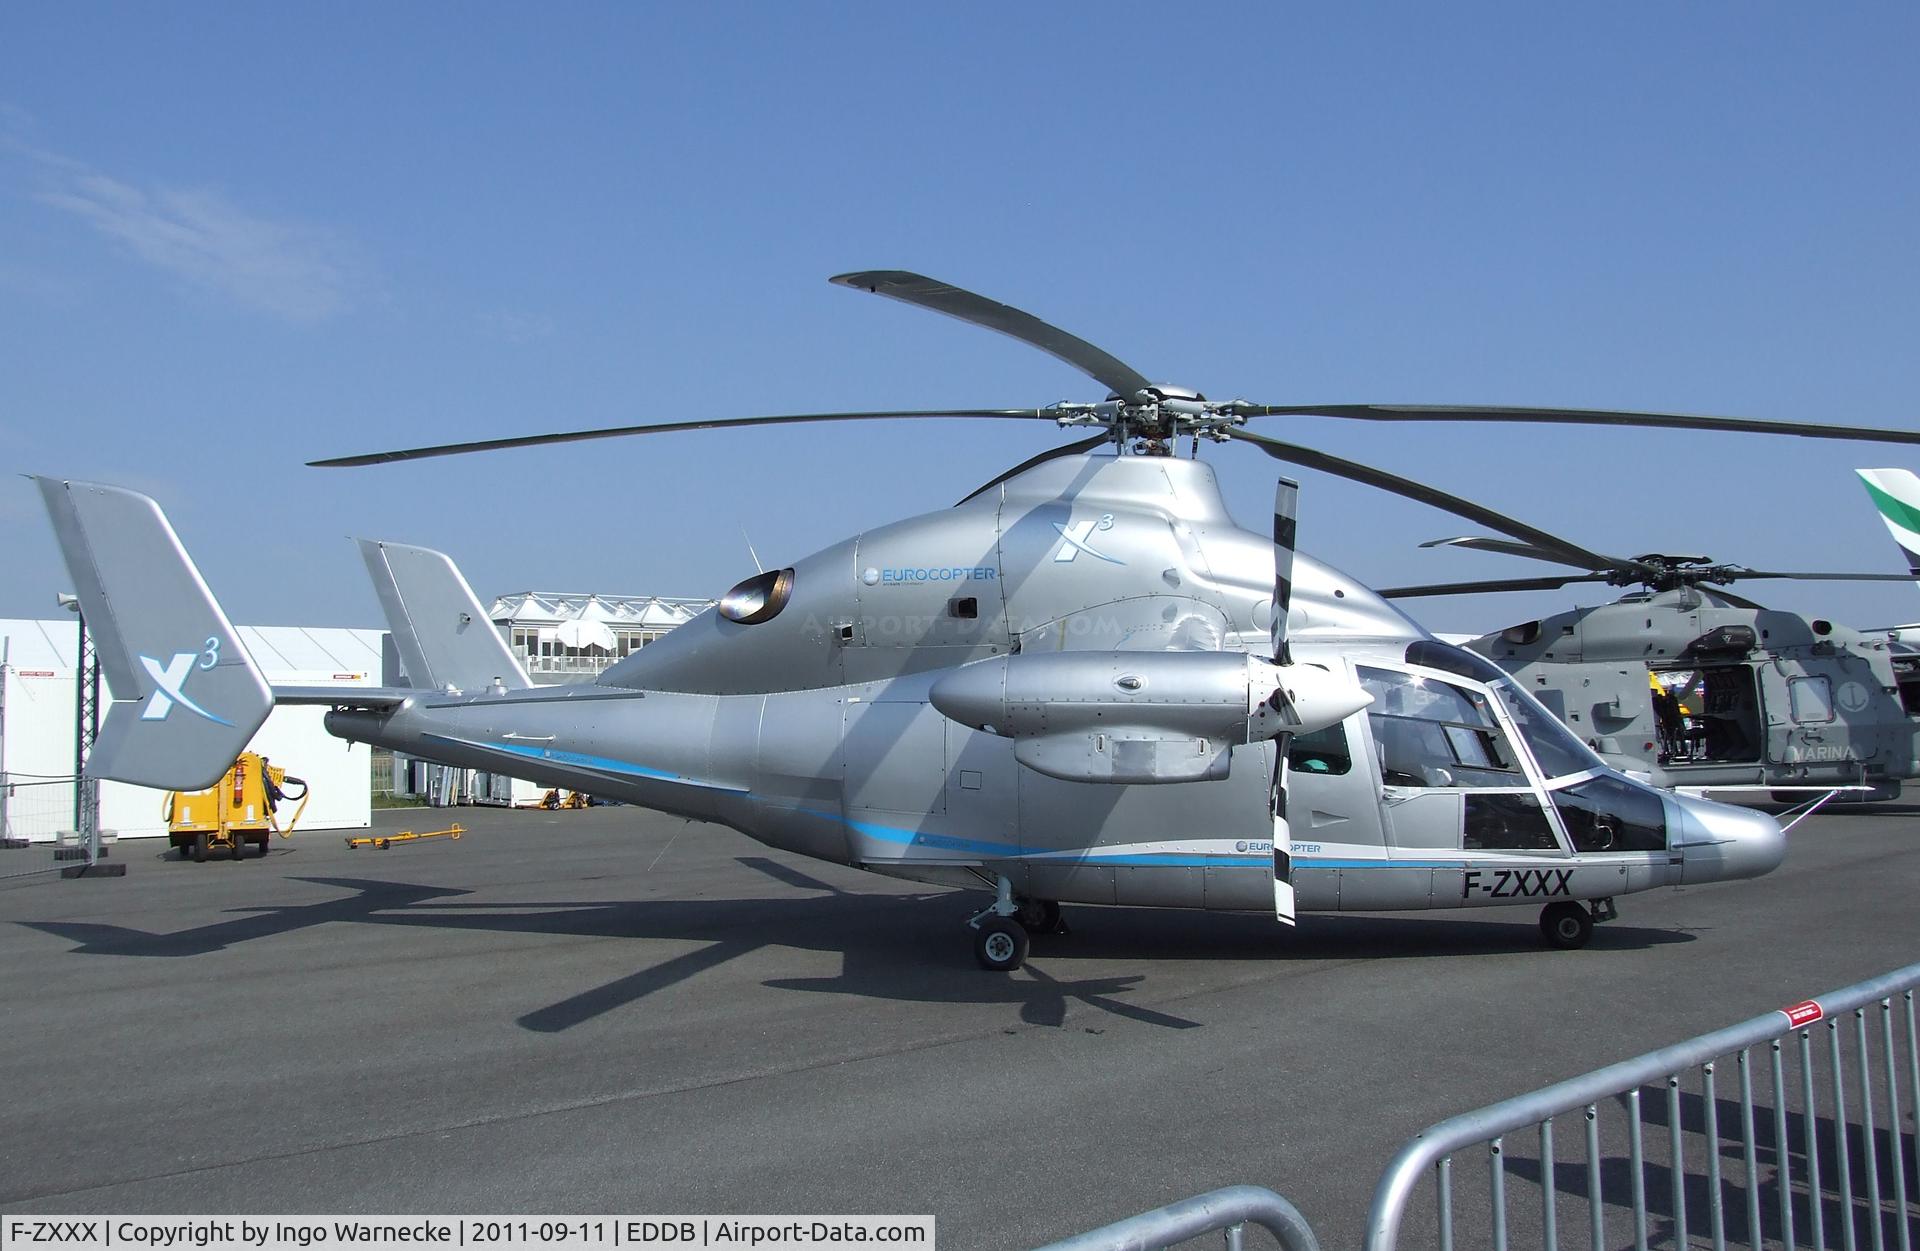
(1476, 588)
(1052, 453)
(1744, 574)
(1567, 553)
(1573, 417)
(1506, 547)
(614, 432)
(910, 288)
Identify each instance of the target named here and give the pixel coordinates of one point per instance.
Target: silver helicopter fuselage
(818, 729)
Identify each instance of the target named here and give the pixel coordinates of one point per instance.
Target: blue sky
(235, 238)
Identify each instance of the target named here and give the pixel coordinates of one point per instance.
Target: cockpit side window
(1609, 813)
(1514, 821)
(759, 598)
(1432, 733)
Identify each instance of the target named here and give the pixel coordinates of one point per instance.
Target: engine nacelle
(1140, 717)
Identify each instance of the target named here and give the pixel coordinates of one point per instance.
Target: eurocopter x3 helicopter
(1084, 683)
(1698, 688)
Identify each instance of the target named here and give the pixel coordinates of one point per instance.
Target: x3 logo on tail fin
(168, 679)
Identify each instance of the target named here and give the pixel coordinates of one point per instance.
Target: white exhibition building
(558, 637)
(39, 688)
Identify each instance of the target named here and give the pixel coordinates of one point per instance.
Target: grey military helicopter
(1695, 687)
(1084, 683)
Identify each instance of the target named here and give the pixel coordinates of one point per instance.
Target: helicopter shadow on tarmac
(896, 947)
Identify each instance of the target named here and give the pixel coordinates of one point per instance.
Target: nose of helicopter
(1721, 843)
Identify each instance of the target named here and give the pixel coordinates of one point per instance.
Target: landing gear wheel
(1000, 944)
(1565, 925)
(200, 848)
(1039, 916)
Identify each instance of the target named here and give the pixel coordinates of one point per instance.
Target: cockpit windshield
(1554, 746)
(1433, 733)
(1557, 750)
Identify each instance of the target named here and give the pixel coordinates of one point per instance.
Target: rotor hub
(1154, 417)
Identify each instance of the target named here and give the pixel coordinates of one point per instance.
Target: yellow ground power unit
(240, 809)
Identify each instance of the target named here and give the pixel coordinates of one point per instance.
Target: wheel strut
(1000, 942)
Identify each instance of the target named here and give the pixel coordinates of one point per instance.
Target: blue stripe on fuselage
(599, 764)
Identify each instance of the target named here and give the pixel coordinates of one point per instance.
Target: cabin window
(1811, 698)
(1323, 752)
(1609, 813)
(1432, 733)
(759, 598)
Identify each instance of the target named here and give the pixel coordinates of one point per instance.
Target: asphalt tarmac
(615, 1011)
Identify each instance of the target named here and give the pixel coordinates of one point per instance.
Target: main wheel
(1566, 925)
(200, 848)
(1000, 944)
(1039, 916)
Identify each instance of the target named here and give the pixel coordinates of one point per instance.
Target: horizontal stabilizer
(442, 634)
(378, 698)
(186, 696)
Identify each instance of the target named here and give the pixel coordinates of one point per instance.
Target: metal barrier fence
(1227, 1211)
(1795, 1159)
(1816, 1153)
(35, 807)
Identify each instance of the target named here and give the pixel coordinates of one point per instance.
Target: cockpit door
(1452, 778)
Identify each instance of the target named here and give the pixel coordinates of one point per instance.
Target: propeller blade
(1476, 588)
(614, 432)
(1505, 547)
(1068, 449)
(1284, 909)
(1120, 378)
(1572, 417)
(1286, 508)
(1293, 453)
(1286, 535)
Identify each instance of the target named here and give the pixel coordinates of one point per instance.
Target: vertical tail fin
(186, 695)
(1896, 493)
(442, 634)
